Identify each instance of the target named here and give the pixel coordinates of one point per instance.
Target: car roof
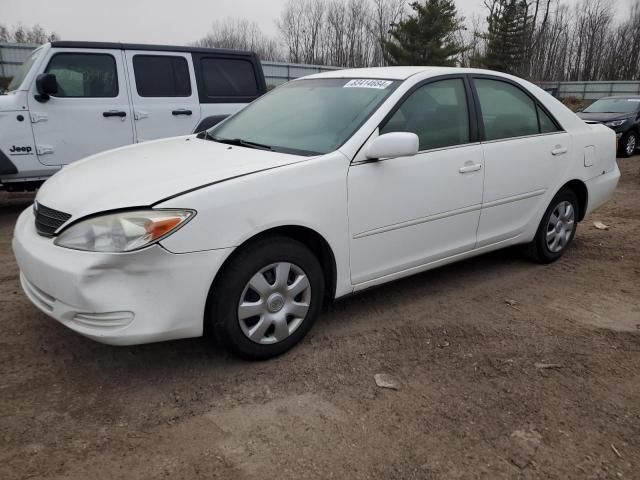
(400, 73)
(146, 47)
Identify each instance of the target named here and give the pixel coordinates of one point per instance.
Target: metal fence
(11, 57)
(276, 73)
(13, 54)
(590, 91)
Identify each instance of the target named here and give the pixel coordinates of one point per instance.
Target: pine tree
(427, 37)
(506, 37)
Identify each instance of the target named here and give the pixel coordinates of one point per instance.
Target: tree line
(21, 34)
(550, 40)
(543, 40)
(537, 39)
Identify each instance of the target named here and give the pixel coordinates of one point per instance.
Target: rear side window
(84, 75)
(436, 112)
(506, 110)
(228, 77)
(546, 124)
(161, 76)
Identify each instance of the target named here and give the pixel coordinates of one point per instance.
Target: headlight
(615, 123)
(124, 231)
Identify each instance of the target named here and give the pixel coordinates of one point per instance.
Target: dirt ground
(465, 343)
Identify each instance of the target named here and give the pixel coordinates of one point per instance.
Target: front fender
(311, 194)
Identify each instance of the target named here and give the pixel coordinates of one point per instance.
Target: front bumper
(120, 299)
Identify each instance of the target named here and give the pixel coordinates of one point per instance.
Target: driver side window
(88, 75)
(436, 112)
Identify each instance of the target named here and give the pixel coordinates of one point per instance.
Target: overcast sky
(152, 21)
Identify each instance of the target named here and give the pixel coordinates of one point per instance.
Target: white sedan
(326, 186)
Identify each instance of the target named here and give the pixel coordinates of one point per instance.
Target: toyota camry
(324, 187)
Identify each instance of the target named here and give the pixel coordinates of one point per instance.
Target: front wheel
(557, 228)
(628, 144)
(267, 297)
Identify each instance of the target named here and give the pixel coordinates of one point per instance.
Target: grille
(49, 220)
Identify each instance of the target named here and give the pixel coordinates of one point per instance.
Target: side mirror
(393, 145)
(46, 85)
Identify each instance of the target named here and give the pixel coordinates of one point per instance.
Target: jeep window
(84, 75)
(161, 76)
(23, 70)
(314, 116)
(228, 77)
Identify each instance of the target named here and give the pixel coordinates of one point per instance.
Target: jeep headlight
(124, 231)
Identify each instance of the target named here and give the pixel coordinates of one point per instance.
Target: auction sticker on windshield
(368, 83)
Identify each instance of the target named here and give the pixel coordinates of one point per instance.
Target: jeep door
(91, 111)
(163, 92)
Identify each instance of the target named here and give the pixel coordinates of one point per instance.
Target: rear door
(524, 151)
(163, 92)
(91, 111)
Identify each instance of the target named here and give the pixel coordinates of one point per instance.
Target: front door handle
(470, 167)
(114, 113)
(181, 111)
(559, 150)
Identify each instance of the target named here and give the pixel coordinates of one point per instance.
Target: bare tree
(291, 26)
(22, 34)
(385, 14)
(241, 34)
(347, 33)
(5, 34)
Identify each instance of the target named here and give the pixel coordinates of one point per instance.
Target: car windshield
(23, 70)
(614, 105)
(306, 117)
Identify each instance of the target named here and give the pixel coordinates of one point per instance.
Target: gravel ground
(465, 343)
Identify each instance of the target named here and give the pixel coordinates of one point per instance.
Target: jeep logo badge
(20, 149)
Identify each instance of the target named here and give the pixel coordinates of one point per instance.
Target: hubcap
(560, 226)
(274, 303)
(631, 144)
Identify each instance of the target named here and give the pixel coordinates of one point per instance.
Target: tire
(547, 247)
(628, 144)
(256, 277)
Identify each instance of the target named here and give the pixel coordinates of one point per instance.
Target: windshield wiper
(240, 142)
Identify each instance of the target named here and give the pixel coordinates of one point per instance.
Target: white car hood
(144, 174)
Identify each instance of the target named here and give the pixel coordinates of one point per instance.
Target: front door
(410, 211)
(164, 94)
(91, 111)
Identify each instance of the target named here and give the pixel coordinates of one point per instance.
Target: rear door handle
(114, 113)
(559, 150)
(470, 167)
(182, 111)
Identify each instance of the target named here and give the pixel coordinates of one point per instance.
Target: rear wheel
(628, 144)
(557, 228)
(267, 297)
